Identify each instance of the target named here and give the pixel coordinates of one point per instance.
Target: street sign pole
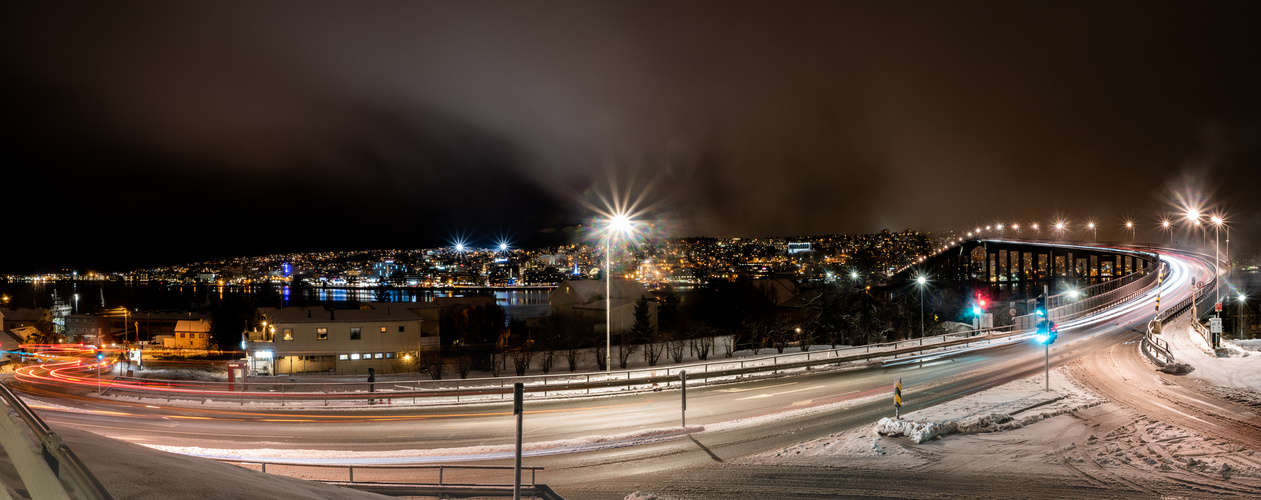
(518, 390)
(683, 381)
(1048, 366)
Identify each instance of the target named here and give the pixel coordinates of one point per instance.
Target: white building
(381, 335)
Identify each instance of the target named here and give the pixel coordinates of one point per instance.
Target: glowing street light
(618, 224)
(1217, 257)
(1059, 228)
(921, 281)
(1167, 225)
(1129, 226)
(1091, 225)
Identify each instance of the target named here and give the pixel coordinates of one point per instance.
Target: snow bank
(639, 495)
(917, 431)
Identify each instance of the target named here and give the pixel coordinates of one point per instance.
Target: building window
(390, 355)
(383, 329)
(321, 334)
(343, 357)
(354, 333)
(400, 329)
(288, 334)
(378, 355)
(182, 335)
(354, 356)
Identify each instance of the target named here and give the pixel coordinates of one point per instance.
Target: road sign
(1215, 325)
(1217, 307)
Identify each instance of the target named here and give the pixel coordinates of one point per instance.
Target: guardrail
(545, 385)
(442, 487)
(54, 466)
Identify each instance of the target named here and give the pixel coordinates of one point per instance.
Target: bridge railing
(1061, 307)
(439, 480)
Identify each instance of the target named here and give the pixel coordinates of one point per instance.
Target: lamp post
(1129, 226)
(1093, 234)
(1239, 315)
(920, 281)
(618, 223)
(1168, 227)
(1217, 258)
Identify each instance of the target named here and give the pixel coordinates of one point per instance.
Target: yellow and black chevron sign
(897, 394)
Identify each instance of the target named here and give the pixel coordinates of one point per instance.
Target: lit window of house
(383, 329)
(343, 357)
(288, 334)
(321, 334)
(354, 356)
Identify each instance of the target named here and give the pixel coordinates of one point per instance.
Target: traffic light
(1047, 332)
(1040, 308)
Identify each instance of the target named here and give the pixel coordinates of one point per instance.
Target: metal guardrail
(501, 388)
(59, 457)
(443, 487)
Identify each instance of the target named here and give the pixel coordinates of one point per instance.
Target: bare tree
(463, 365)
(676, 349)
(431, 361)
(521, 359)
(624, 352)
(601, 356)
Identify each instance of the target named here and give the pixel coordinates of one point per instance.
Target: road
(776, 413)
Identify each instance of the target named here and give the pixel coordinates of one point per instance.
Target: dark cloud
(292, 125)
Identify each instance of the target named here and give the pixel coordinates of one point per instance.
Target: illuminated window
(378, 355)
(343, 357)
(383, 329)
(354, 333)
(288, 334)
(390, 355)
(354, 356)
(321, 334)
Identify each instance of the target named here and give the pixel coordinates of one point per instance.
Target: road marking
(756, 388)
(759, 396)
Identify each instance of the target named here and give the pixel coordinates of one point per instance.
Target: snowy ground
(1009, 406)
(1019, 440)
(1235, 374)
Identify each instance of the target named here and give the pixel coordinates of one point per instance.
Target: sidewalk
(1238, 374)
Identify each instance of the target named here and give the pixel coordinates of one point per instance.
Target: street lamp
(1129, 226)
(1166, 225)
(1091, 226)
(1239, 315)
(1217, 257)
(921, 281)
(617, 224)
(1059, 228)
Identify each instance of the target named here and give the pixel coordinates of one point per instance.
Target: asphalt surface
(1103, 351)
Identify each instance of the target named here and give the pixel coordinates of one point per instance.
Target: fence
(421, 480)
(1157, 349)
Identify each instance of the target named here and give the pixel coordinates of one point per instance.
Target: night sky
(148, 133)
